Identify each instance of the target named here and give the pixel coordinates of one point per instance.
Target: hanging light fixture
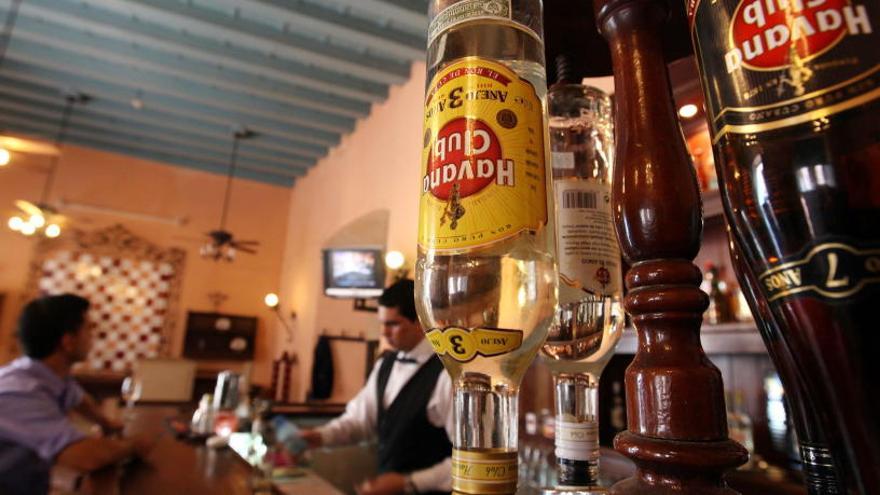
(41, 218)
(8, 27)
(221, 245)
(5, 37)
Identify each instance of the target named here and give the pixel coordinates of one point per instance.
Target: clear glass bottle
(486, 273)
(590, 316)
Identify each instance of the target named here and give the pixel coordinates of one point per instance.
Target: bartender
(406, 404)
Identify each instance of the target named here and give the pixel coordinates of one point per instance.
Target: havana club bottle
(486, 284)
(820, 474)
(793, 97)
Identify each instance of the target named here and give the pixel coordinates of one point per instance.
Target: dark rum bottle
(793, 97)
(820, 475)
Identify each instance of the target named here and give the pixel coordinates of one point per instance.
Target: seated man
(406, 405)
(37, 393)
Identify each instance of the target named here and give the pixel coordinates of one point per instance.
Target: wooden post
(677, 426)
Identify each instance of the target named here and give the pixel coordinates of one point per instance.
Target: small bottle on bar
(589, 315)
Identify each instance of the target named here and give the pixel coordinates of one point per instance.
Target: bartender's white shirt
(359, 421)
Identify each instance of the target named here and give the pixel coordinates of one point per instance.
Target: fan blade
(244, 249)
(248, 243)
(28, 208)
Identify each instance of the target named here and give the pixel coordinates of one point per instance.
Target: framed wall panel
(132, 284)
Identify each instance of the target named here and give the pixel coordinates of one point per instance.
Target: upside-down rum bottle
(793, 98)
(486, 273)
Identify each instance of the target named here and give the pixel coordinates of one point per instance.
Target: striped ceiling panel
(169, 79)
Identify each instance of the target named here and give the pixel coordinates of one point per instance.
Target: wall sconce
(394, 261)
(273, 302)
(5, 157)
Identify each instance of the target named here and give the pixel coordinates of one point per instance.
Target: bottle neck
(484, 458)
(577, 429)
(819, 474)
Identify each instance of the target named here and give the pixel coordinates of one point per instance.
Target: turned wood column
(677, 425)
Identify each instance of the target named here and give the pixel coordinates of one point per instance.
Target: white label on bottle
(563, 160)
(589, 255)
(577, 441)
(467, 10)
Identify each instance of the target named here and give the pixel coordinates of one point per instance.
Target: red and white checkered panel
(129, 300)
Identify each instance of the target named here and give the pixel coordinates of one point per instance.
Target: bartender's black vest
(407, 440)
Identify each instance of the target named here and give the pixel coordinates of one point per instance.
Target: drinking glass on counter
(131, 393)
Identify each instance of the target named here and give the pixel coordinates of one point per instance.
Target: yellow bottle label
(483, 176)
(484, 472)
(464, 345)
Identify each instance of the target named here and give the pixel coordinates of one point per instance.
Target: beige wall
(257, 211)
(374, 168)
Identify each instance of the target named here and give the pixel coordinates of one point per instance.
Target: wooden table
(175, 467)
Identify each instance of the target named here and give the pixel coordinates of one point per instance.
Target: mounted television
(353, 273)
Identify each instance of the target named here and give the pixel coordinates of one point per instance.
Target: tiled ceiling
(168, 79)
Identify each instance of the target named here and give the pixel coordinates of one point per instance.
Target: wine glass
(131, 393)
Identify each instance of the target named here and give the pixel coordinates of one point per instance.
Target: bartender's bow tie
(404, 359)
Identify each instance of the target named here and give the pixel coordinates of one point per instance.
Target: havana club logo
(482, 162)
(772, 64)
(465, 158)
(778, 34)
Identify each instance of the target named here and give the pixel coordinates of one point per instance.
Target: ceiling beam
(414, 18)
(177, 66)
(81, 79)
(132, 30)
(179, 73)
(296, 137)
(218, 165)
(320, 20)
(267, 145)
(86, 115)
(71, 60)
(240, 31)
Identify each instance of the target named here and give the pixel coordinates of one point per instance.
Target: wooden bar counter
(179, 467)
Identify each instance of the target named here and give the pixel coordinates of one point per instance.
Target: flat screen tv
(353, 273)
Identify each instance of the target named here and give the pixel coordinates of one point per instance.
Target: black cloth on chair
(22, 471)
(322, 370)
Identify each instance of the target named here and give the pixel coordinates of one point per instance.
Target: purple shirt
(34, 403)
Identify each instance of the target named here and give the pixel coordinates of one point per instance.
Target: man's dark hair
(401, 295)
(45, 320)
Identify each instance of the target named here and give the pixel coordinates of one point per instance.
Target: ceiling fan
(32, 218)
(221, 244)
